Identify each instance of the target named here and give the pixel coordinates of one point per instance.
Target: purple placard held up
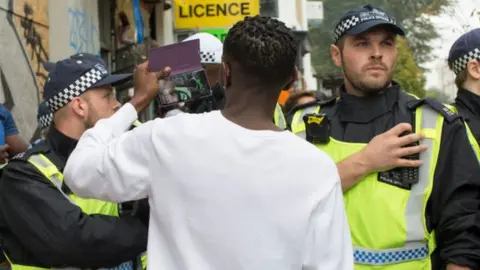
(181, 57)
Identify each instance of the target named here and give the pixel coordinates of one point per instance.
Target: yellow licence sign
(193, 14)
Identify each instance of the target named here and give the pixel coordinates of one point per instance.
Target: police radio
(404, 177)
(317, 128)
(409, 174)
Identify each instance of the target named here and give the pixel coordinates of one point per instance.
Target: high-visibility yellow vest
(387, 223)
(137, 123)
(279, 118)
(88, 206)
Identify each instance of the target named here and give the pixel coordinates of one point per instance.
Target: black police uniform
(468, 106)
(455, 197)
(452, 209)
(465, 49)
(40, 227)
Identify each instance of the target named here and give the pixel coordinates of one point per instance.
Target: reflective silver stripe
(56, 181)
(415, 247)
(414, 215)
(302, 134)
(411, 252)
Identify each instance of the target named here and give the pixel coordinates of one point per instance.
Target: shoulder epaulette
(321, 103)
(300, 107)
(327, 102)
(447, 113)
(19, 156)
(40, 148)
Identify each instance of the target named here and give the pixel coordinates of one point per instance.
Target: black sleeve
(57, 232)
(455, 200)
(142, 211)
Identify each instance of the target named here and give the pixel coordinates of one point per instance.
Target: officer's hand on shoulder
(387, 150)
(146, 85)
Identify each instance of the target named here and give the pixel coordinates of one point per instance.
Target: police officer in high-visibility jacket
(43, 225)
(464, 61)
(400, 218)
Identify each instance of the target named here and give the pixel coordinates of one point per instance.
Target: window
(183, 35)
(269, 8)
(105, 23)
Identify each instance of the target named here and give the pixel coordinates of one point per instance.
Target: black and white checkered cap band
(45, 120)
(344, 26)
(74, 90)
(353, 21)
(461, 63)
(207, 57)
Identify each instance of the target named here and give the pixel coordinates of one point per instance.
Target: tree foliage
(409, 13)
(439, 95)
(407, 72)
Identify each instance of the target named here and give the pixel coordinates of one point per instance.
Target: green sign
(219, 33)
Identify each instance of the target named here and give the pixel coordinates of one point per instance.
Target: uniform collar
(61, 143)
(469, 100)
(365, 109)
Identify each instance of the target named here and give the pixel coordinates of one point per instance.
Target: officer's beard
(365, 87)
(88, 123)
(91, 119)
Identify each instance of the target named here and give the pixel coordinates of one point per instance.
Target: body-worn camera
(317, 128)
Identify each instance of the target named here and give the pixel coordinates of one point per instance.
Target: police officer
(43, 225)
(464, 60)
(400, 218)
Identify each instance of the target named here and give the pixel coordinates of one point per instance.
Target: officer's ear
(336, 53)
(473, 68)
(292, 82)
(79, 106)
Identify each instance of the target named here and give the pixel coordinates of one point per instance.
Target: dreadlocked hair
(263, 47)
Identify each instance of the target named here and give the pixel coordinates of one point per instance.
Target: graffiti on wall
(84, 35)
(24, 45)
(34, 42)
